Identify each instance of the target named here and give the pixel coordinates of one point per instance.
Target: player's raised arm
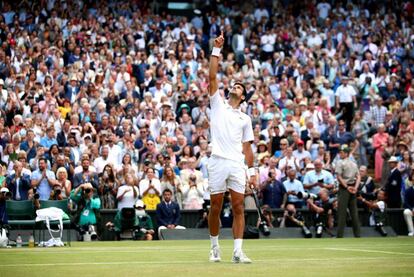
(214, 59)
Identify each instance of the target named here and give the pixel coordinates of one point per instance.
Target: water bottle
(19, 241)
(31, 241)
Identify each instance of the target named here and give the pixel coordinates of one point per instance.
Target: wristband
(216, 52)
(251, 171)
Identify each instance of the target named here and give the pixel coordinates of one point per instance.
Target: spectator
(108, 187)
(193, 193)
(150, 189)
(64, 186)
(127, 193)
(173, 183)
(18, 183)
(168, 213)
(315, 180)
(86, 175)
(43, 180)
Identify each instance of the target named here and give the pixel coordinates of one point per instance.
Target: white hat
(393, 159)
(1, 82)
(139, 204)
(73, 78)
(4, 190)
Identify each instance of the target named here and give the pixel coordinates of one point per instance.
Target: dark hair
(42, 159)
(244, 90)
(167, 190)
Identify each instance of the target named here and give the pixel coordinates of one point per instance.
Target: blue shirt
(295, 186)
(43, 188)
(47, 142)
(312, 177)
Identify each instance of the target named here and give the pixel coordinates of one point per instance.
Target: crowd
(114, 95)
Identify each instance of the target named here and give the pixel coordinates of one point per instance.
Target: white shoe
(240, 257)
(215, 255)
(411, 234)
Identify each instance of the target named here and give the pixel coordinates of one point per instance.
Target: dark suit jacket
(168, 215)
(393, 189)
(79, 179)
(61, 139)
(24, 186)
(305, 136)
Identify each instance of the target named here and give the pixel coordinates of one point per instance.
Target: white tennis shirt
(229, 129)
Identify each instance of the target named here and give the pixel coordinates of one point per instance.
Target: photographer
(322, 210)
(292, 202)
(141, 222)
(377, 208)
(272, 191)
(367, 186)
(18, 183)
(88, 208)
(43, 180)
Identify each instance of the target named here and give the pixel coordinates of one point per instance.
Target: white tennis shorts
(225, 174)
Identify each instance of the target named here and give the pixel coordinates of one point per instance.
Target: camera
(307, 195)
(319, 230)
(57, 190)
(87, 191)
(264, 228)
(92, 232)
(36, 195)
(379, 226)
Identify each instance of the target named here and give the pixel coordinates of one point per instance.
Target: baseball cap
(139, 204)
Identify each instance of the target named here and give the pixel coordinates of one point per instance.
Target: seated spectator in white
(191, 170)
(168, 213)
(102, 160)
(128, 193)
(193, 194)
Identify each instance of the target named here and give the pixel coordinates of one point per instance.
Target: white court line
(369, 251)
(276, 261)
(130, 249)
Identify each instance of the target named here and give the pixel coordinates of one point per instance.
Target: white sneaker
(411, 234)
(240, 257)
(215, 255)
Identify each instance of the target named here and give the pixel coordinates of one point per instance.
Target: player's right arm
(214, 60)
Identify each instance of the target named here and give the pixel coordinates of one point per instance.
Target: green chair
(21, 213)
(61, 204)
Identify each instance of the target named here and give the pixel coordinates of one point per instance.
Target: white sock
(214, 241)
(238, 244)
